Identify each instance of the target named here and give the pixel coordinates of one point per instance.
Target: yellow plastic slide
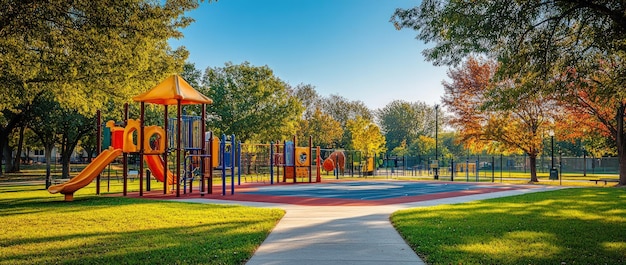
(87, 175)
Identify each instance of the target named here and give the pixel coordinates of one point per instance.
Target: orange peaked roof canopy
(171, 90)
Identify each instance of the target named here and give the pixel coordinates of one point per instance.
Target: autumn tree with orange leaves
(544, 40)
(483, 111)
(594, 103)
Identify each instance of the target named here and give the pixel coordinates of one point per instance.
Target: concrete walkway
(344, 234)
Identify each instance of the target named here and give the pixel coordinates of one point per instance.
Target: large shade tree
(484, 118)
(541, 38)
(85, 54)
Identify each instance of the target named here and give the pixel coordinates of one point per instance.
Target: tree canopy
(87, 52)
(84, 55)
(366, 136)
(250, 102)
(403, 121)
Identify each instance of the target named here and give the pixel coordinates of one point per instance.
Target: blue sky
(344, 47)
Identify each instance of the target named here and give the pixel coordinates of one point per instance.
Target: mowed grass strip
(40, 228)
(571, 226)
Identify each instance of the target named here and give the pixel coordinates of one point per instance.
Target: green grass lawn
(40, 228)
(571, 226)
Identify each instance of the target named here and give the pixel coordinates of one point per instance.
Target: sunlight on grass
(537, 245)
(574, 226)
(615, 246)
(40, 228)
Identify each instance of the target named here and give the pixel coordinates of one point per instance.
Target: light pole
(554, 173)
(436, 142)
(552, 148)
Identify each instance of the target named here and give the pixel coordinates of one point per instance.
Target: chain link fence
(479, 167)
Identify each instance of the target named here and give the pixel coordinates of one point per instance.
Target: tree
(85, 54)
(593, 104)
(311, 101)
(365, 136)
(192, 75)
(402, 121)
(343, 110)
(485, 118)
(400, 150)
(72, 126)
(423, 146)
(43, 123)
(451, 145)
(545, 39)
(325, 130)
(250, 102)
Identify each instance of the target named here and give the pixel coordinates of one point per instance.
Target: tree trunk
(90, 153)
(65, 165)
(533, 167)
(621, 144)
(48, 154)
(67, 148)
(17, 161)
(2, 144)
(4, 140)
(8, 157)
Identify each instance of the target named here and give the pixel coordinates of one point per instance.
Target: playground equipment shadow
(314, 231)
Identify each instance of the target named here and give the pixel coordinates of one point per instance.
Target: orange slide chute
(155, 163)
(87, 175)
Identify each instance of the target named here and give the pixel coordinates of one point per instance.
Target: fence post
(452, 169)
(271, 163)
(493, 169)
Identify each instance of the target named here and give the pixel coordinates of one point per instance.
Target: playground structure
(286, 160)
(335, 161)
(197, 153)
(137, 138)
(347, 162)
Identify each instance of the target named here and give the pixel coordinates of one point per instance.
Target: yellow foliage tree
(366, 136)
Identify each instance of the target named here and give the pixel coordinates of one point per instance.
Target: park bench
(604, 180)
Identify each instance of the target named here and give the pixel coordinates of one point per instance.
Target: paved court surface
(369, 190)
(358, 193)
(347, 232)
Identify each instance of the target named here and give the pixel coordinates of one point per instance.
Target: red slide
(155, 163)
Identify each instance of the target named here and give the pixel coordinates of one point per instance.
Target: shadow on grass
(575, 226)
(200, 244)
(116, 230)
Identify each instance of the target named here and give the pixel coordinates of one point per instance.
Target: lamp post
(552, 148)
(554, 173)
(436, 141)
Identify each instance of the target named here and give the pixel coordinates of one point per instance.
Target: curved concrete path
(344, 234)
